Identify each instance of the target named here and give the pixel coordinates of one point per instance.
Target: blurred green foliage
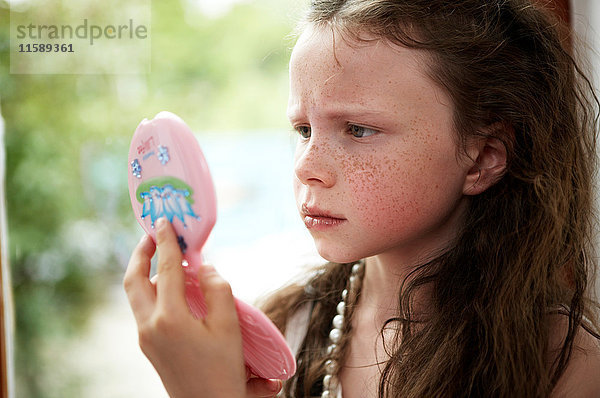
(67, 136)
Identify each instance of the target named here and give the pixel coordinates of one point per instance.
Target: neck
(383, 279)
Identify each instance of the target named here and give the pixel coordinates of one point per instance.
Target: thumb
(257, 387)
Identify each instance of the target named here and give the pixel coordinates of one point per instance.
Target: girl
(444, 168)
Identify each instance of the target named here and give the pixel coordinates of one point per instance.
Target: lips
(315, 218)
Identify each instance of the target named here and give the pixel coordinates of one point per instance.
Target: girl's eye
(360, 131)
(304, 131)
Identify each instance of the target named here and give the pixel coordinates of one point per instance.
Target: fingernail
(161, 223)
(276, 387)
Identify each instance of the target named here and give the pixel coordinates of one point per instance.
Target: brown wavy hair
(526, 249)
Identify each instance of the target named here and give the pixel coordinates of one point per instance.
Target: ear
(489, 156)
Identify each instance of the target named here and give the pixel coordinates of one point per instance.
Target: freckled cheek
(387, 203)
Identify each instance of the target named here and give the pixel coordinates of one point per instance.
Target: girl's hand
(262, 388)
(194, 358)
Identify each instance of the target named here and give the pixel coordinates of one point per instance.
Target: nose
(314, 163)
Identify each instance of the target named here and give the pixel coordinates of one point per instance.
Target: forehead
(333, 46)
(325, 66)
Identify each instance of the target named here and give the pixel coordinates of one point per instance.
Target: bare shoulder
(581, 378)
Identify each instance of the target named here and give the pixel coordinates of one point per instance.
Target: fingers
(221, 312)
(257, 387)
(167, 288)
(140, 291)
(170, 283)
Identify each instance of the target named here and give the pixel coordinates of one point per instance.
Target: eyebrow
(344, 112)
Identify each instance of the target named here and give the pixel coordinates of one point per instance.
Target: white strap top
(295, 332)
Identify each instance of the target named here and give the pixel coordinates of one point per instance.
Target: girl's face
(376, 165)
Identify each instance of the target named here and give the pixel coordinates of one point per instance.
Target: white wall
(586, 22)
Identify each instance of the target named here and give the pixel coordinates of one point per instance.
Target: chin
(338, 255)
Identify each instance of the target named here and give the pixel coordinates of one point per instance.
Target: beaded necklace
(330, 380)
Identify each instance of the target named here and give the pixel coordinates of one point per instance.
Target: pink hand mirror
(169, 177)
